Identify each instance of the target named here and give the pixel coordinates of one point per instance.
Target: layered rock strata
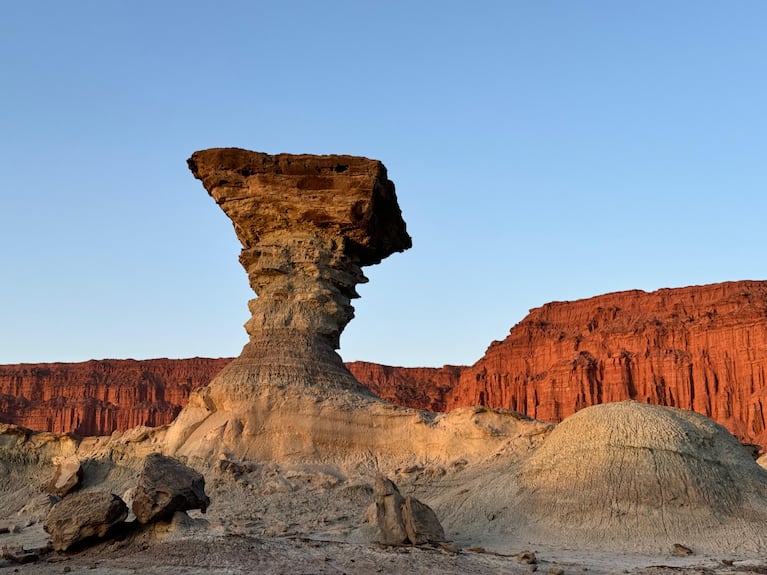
(100, 397)
(701, 348)
(307, 225)
(417, 387)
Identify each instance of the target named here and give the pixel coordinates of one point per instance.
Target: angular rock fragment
(67, 477)
(165, 486)
(681, 550)
(404, 519)
(389, 505)
(82, 516)
(20, 555)
(421, 523)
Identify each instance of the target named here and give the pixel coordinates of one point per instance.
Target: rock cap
(346, 196)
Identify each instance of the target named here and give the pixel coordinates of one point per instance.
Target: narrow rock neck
(305, 283)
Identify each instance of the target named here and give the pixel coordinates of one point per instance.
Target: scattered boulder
(681, 550)
(526, 557)
(82, 516)
(20, 555)
(67, 477)
(236, 469)
(404, 519)
(389, 503)
(10, 527)
(165, 486)
(421, 523)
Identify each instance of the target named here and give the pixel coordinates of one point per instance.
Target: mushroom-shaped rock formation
(307, 225)
(634, 475)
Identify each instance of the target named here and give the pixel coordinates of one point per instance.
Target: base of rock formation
(236, 414)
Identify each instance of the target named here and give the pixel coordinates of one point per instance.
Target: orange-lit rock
(99, 397)
(419, 387)
(702, 348)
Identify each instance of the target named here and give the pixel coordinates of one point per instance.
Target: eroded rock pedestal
(307, 225)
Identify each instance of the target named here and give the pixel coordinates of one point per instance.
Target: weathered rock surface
(404, 519)
(389, 503)
(307, 225)
(166, 486)
(421, 522)
(82, 516)
(702, 348)
(18, 554)
(622, 471)
(417, 387)
(99, 397)
(66, 477)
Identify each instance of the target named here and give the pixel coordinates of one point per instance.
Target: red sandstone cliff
(702, 348)
(98, 397)
(419, 387)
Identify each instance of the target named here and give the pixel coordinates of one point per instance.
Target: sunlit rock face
(702, 348)
(307, 225)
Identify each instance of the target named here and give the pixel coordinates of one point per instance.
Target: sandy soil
(274, 521)
(314, 516)
(201, 553)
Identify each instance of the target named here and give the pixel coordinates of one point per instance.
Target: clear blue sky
(542, 150)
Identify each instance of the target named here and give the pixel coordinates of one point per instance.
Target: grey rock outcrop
(389, 503)
(421, 523)
(630, 473)
(404, 519)
(166, 486)
(67, 477)
(82, 516)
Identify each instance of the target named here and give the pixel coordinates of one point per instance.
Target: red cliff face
(419, 387)
(99, 397)
(700, 348)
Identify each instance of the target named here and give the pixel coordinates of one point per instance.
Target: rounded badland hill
(641, 477)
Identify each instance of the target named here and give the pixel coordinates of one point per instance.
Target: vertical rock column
(307, 224)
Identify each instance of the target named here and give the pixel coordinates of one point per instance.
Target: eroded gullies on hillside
(290, 443)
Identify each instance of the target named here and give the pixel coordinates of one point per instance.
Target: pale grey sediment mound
(640, 477)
